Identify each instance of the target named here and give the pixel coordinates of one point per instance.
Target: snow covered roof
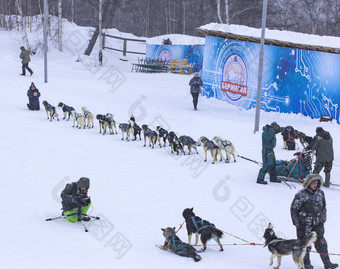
(274, 37)
(177, 39)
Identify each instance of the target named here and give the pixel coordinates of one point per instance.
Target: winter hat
(32, 84)
(319, 130)
(312, 178)
(83, 182)
(22, 47)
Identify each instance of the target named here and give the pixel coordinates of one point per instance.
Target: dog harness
(178, 244)
(78, 115)
(225, 143)
(211, 145)
(68, 108)
(49, 107)
(200, 222)
(86, 112)
(163, 132)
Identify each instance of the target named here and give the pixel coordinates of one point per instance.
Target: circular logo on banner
(165, 55)
(234, 78)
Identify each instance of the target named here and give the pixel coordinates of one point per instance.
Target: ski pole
(260, 164)
(60, 217)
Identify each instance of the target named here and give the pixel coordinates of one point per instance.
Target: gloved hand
(75, 199)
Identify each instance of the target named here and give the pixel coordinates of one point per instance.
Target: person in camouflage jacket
(308, 213)
(323, 147)
(25, 56)
(74, 197)
(268, 155)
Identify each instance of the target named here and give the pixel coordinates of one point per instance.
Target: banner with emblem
(294, 80)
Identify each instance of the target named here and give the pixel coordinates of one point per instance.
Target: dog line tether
(82, 222)
(180, 227)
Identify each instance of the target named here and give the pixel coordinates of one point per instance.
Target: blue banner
(294, 80)
(194, 54)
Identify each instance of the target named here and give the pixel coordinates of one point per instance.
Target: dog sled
(296, 169)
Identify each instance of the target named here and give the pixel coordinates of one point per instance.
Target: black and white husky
(162, 133)
(67, 110)
(196, 225)
(175, 245)
(280, 247)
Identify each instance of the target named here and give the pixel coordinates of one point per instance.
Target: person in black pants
(308, 213)
(195, 88)
(25, 56)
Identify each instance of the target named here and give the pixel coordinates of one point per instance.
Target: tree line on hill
(158, 17)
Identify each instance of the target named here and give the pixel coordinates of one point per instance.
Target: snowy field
(135, 190)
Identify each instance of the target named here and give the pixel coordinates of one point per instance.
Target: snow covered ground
(135, 190)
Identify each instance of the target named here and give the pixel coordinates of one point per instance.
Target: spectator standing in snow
(323, 147)
(33, 97)
(25, 56)
(308, 213)
(195, 88)
(268, 155)
(75, 200)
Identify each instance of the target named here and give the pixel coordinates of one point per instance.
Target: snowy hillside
(135, 190)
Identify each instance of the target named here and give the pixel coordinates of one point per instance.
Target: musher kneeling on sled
(75, 201)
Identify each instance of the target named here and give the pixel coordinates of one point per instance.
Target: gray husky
(280, 247)
(175, 245)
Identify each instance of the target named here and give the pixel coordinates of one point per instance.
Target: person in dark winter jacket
(74, 197)
(323, 147)
(195, 89)
(268, 155)
(25, 56)
(33, 97)
(308, 213)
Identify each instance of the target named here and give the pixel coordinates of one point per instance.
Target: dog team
(177, 144)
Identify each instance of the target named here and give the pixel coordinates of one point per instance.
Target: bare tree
(23, 24)
(60, 26)
(218, 6)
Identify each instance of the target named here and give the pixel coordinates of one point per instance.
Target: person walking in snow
(323, 147)
(33, 97)
(25, 56)
(195, 88)
(268, 155)
(75, 200)
(308, 213)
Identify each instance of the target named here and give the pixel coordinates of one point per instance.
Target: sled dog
(189, 142)
(227, 146)
(136, 130)
(162, 133)
(211, 146)
(198, 226)
(66, 110)
(175, 245)
(175, 144)
(51, 112)
(79, 119)
(150, 134)
(106, 121)
(127, 129)
(280, 247)
(88, 116)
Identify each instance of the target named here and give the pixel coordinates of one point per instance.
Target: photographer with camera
(75, 200)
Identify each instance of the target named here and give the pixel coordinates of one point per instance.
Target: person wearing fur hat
(25, 56)
(33, 97)
(323, 147)
(74, 197)
(308, 213)
(268, 155)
